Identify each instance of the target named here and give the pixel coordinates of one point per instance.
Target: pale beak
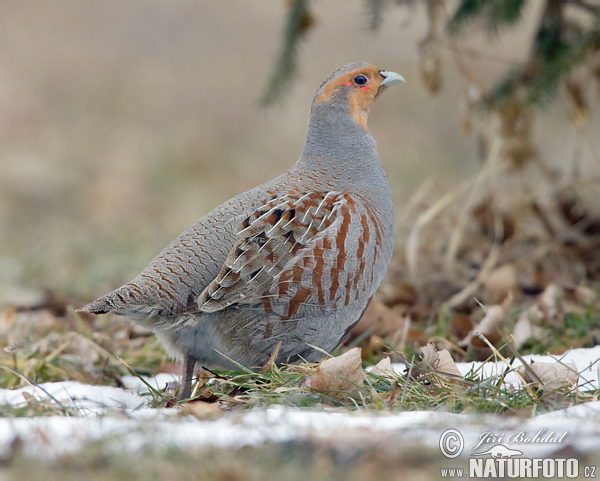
(390, 78)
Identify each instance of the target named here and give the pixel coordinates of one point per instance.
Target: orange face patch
(359, 97)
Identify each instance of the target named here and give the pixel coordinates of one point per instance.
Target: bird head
(354, 88)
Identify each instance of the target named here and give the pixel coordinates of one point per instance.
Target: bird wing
(295, 249)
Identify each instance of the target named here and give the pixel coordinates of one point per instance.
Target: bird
(290, 265)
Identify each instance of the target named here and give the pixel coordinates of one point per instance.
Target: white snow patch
(586, 360)
(122, 420)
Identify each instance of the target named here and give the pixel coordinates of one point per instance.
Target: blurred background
(122, 123)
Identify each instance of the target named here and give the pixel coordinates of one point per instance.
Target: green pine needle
(495, 14)
(298, 21)
(375, 10)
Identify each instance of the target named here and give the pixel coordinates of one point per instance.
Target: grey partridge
(295, 260)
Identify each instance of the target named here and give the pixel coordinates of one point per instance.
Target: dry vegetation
(112, 148)
(510, 252)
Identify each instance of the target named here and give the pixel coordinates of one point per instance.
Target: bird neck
(337, 145)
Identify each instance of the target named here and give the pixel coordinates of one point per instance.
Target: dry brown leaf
(337, 376)
(430, 356)
(397, 291)
(379, 320)
(384, 368)
(170, 368)
(202, 410)
(548, 307)
(585, 295)
(438, 361)
(29, 399)
(446, 364)
(550, 304)
(460, 326)
(550, 375)
(526, 326)
(501, 282)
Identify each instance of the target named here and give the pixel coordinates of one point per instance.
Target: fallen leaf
(379, 320)
(338, 376)
(170, 368)
(29, 399)
(202, 410)
(585, 295)
(526, 326)
(550, 375)
(430, 356)
(550, 303)
(446, 364)
(433, 360)
(384, 368)
(460, 326)
(398, 292)
(501, 282)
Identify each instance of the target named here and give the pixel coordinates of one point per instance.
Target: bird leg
(189, 364)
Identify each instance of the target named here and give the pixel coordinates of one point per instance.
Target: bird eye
(360, 79)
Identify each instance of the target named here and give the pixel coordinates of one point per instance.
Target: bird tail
(104, 304)
(117, 301)
(130, 301)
